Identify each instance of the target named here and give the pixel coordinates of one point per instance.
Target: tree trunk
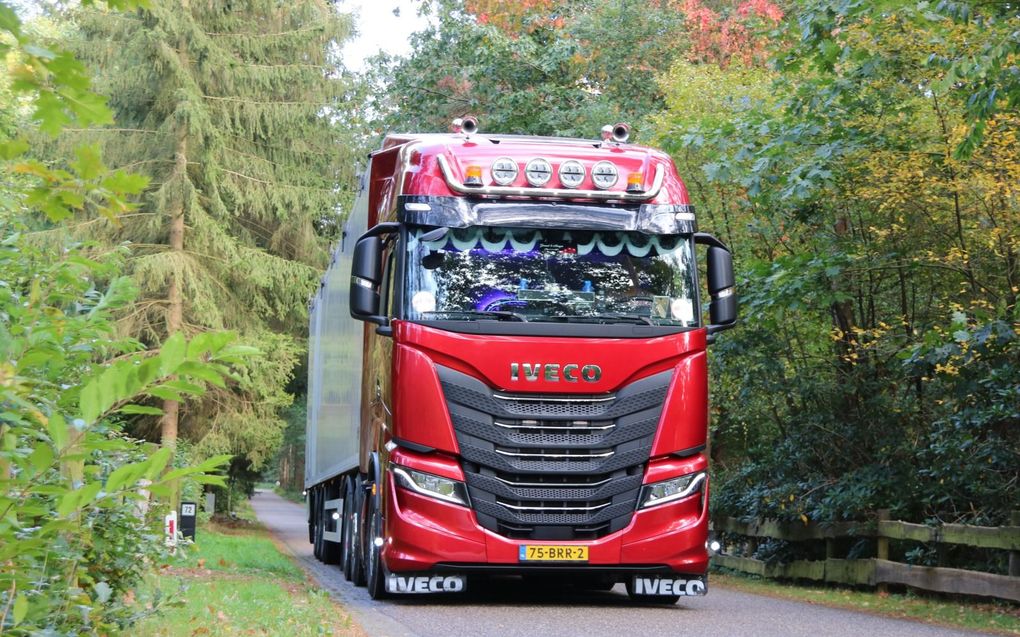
(175, 302)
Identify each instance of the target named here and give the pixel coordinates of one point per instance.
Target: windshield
(493, 273)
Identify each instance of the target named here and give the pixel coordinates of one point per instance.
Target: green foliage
(550, 71)
(231, 110)
(74, 537)
(78, 529)
(875, 367)
(981, 71)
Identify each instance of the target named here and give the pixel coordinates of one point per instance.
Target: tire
(317, 524)
(650, 599)
(375, 577)
(358, 534)
(345, 531)
(311, 517)
(330, 550)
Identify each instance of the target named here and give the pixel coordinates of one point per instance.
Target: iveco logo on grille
(553, 372)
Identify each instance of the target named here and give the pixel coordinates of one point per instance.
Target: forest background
(174, 172)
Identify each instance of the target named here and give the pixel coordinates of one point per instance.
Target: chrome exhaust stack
(618, 133)
(465, 125)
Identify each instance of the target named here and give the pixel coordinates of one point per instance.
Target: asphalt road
(510, 608)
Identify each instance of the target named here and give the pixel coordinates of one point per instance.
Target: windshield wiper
(606, 318)
(498, 315)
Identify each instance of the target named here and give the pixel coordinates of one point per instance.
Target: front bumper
(424, 535)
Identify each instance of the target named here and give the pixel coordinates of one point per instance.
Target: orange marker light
(635, 182)
(473, 175)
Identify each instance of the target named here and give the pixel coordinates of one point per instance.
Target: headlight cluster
(539, 171)
(671, 490)
(431, 485)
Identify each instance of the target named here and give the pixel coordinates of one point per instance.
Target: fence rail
(879, 570)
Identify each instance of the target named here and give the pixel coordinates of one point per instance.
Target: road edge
(371, 621)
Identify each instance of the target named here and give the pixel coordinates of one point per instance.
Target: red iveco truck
(507, 369)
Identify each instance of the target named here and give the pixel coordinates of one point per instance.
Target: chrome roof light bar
(564, 193)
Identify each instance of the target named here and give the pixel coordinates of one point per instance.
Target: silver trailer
(335, 352)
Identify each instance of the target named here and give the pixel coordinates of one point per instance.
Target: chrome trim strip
(566, 193)
(551, 427)
(558, 456)
(550, 399)
(544, 509)
(553, 485)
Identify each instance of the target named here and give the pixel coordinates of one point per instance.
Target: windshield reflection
(550, 275)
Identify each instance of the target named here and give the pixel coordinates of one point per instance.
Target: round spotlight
(604, 175)
(571, 173)
(336, 516)
(715, 546)
(504, 171)
(538, 172)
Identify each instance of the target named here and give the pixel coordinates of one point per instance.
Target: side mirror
(722, 309)
(367, 274)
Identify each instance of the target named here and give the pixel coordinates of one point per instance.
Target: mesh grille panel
(535, 476)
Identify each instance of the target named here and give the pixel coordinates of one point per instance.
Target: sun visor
(459, 212)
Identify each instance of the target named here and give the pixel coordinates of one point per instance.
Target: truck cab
(508, 369)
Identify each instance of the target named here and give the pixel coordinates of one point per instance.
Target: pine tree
(232, 108)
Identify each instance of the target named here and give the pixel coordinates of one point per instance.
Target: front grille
(554, 467)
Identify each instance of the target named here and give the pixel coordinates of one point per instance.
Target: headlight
(671, 490)
(571, 173)
(604, 175)
(432, 486)
(504, 171)
(538, 172)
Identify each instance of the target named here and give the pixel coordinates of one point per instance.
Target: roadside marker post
(170, 528)
(189, 512)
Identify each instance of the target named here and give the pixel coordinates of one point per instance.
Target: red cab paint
(513, 369)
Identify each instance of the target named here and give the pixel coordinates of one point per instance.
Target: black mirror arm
(387, 227)
(705, 239)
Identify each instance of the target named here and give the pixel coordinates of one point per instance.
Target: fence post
(1014, 556)
(883, 545)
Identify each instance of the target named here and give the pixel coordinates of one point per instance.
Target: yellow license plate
(552, 553)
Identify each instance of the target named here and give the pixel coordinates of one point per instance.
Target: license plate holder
(552, 553)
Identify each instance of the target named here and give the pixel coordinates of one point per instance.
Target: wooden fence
(880, 571)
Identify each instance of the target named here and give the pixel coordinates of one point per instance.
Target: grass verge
(236, 582)
(996, 617)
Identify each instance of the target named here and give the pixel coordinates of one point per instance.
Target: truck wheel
(358, 534)
(374, 574)
(345, 531)
(311, 516)
(650, 599)
(330, 549)
(317, 524)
